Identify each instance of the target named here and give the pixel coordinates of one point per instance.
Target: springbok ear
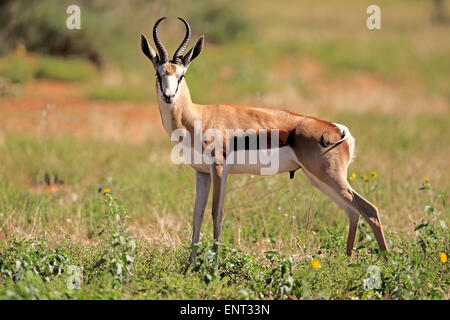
(194, 52)
(149, 52)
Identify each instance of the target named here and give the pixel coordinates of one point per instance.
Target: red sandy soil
(56, 108)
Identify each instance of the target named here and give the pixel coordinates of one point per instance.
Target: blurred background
(78, 107)
(304, 55)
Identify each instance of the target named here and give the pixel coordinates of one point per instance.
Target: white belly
(283, 160)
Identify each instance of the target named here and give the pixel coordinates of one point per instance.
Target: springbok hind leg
(360, 206)
(352, 228)
(354, 205)
(370, 213)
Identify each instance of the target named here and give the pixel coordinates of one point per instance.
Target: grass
(120, 268)
(72, 70)
(19, 68)
(118, 94)
(269, 241)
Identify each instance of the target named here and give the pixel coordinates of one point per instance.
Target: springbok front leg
(219, 181)
(203, 185)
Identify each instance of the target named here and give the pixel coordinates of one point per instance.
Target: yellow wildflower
(354, 175)
(427, 180)
(443, 257)
(373, 174)
(350, 178)
(315, 264)
(364, 177)
(107, 190)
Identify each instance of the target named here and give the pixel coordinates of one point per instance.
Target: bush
(40, 26)
(19, 68)
(220, 21)
(64, 69)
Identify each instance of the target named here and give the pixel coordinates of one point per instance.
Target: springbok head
(170, 73)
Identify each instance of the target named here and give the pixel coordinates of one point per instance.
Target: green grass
(117, 268)
(118, 94)
(19, 69)
(71, 70)
(260, 233)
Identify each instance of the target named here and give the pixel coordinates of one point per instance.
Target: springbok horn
(179, 53)
(163, 54)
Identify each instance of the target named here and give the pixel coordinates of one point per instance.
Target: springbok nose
(168, 98)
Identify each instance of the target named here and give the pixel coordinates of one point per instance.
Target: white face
(168, 81)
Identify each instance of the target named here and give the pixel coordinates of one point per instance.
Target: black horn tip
(164, 56)
(158, 22)
(177, 56)
(188, 27)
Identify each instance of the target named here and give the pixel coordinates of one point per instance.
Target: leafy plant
(279, 276)
(430, 230)
(20, 258)
(120, 247)
(206, 263)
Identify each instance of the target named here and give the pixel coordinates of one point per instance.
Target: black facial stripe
(160, 81)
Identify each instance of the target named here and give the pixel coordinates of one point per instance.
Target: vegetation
(117, 94)
(94, 215)
(286, 246)
(19, 68)
(33, 269)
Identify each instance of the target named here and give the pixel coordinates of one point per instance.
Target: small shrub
(221, 22)
(71, 70)
(279, 275)
(16, 67)
(430, 232)
(19, 68)
(20, 258)
(118, 256)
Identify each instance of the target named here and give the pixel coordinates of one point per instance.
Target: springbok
(303, 142)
